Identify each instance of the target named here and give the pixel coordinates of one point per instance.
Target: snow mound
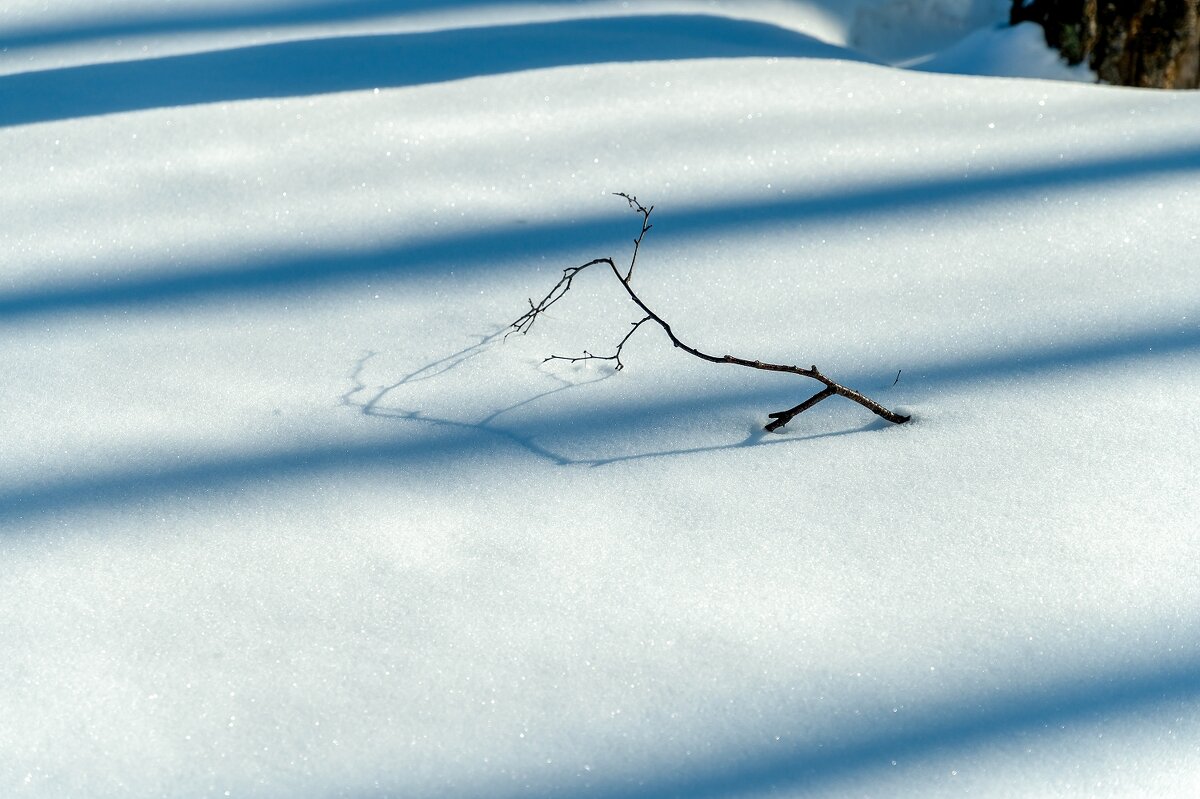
(1016, 52)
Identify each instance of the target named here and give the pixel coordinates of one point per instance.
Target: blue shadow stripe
(424, 437)
(171, 21)
(321, 66)
(580, 240)
(1087, 698)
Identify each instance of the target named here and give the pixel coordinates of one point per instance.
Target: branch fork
(779, 419)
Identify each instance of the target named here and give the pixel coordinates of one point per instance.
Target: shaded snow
(1019, 51)
(280, 513)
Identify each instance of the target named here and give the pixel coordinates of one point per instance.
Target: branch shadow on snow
(466, 252)
(444, 437)
(413, 441)
(970, 722)
(350, 63)
(387, 403)
(416, 437)
(373, 403)
(959, 725)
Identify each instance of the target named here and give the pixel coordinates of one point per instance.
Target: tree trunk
(1147, 43)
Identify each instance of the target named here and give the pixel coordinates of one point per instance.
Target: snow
(1017, 51)
(281, 514)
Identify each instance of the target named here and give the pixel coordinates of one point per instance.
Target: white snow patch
(282, 515)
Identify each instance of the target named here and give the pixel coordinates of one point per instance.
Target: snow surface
(1018, 51)
(282, 515)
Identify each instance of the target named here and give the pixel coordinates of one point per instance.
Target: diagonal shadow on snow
(172, 21)
(1151, 341)
(446, 439)
(372, 404)
(579, 239)
(349, 63)
(417, 441)
(418, 437)
(969, 722)
(1156, 341)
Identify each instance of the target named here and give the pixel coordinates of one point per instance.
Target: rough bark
(1144, 43)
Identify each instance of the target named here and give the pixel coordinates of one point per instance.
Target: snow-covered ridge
(892, 31)
(332, 64)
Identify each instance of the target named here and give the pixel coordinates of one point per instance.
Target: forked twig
(779, 418)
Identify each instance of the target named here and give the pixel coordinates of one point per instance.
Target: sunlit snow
(283, 514)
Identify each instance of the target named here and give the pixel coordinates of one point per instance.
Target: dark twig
(523, 324)
(616, 356)
(780, 418)
(637, 243)
(783, 417)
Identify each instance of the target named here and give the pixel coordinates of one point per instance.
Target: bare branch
(783, 417)
(780, 418)
(637, 243)
(616, 356)
(527, 319)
